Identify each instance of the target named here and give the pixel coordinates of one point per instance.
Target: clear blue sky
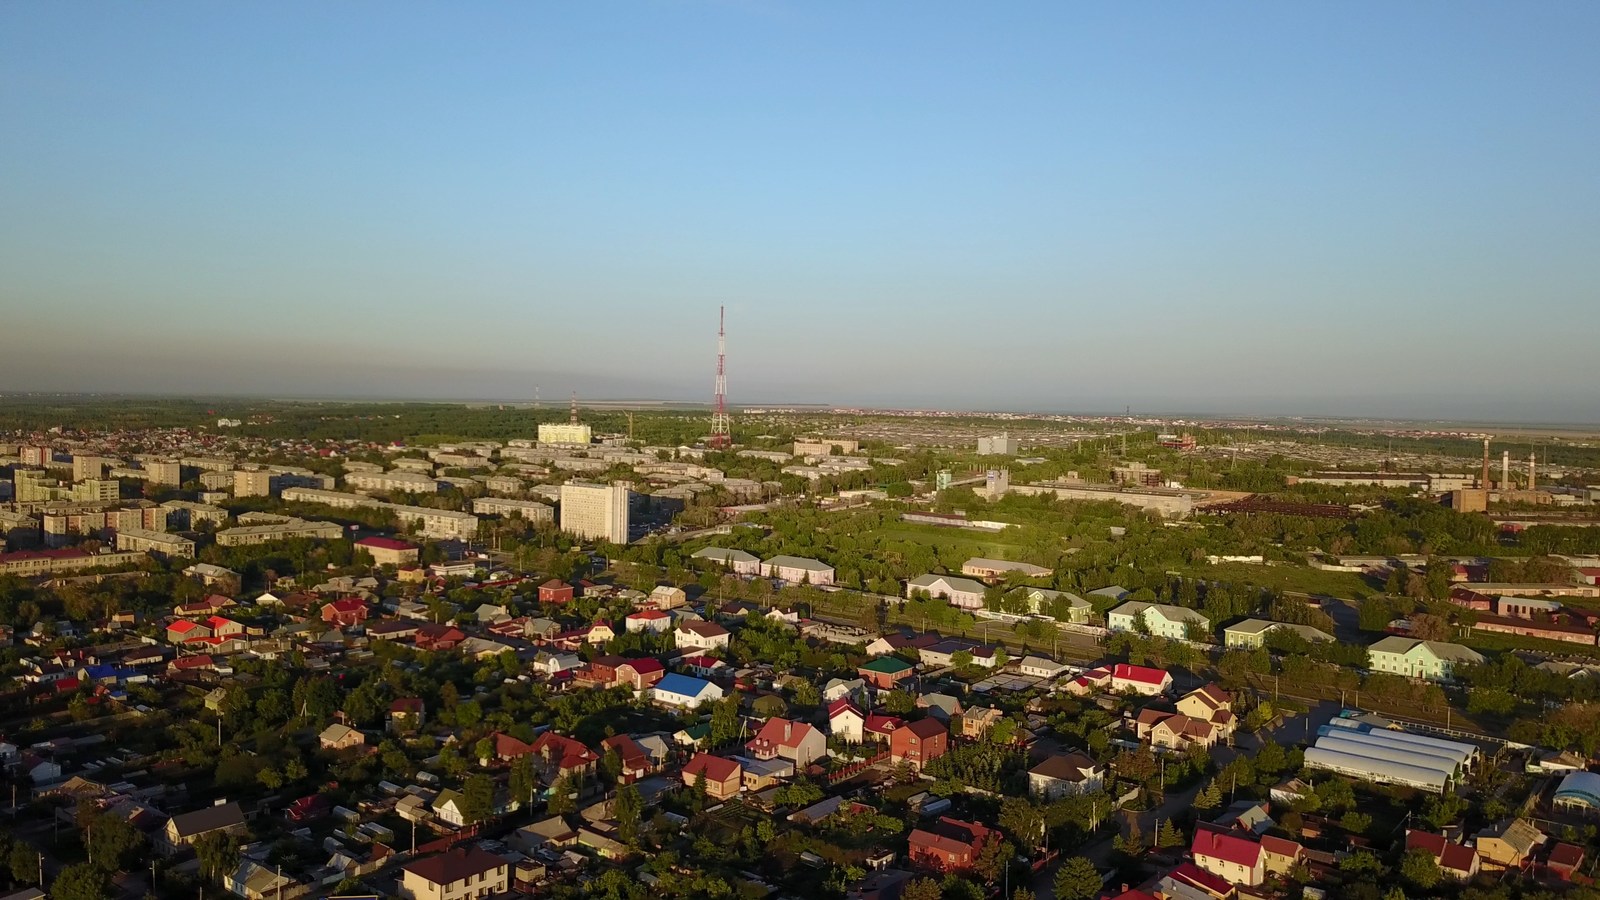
(1364, 208)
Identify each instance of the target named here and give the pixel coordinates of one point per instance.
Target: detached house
(1427, 660)
(652, 620)
(949, 845)
(1236, 859)
(885, 672)
(721, 777)
(796, 742)
(563, 757)
(641, 674)
(845, 721)
(701, 636)
(345, 613)
(962, 593)
(919, 743)
(1065, 774)
(406, 713)
(1456, 861)
(460, 874)
(1160, 619)
(184, 829)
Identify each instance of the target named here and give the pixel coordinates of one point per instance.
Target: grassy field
(1493, 642)
(1347, 585)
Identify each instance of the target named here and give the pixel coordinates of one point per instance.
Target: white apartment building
(565, 433)
(433, 523)
(531, 510)
(595, 511)
(404, 482)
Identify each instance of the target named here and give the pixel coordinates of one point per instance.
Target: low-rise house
(1065, 774)
(562, 757)
(406, 714)
(652, 620)
(854, 689)
(943, 707)
(254, 881)
(885, 672)
(450, 807)
(389, 551)
(1122, 678)
(948, 845)
(665, 597)
(1160, 619)
(701, 635)
(1509, 844)
(555, 591)
(846, 721)
(1064, 606)
(551, 832)
(962, 593)
(556, 663)
(1426, 660)
(1280, 855)
(184, 829)
(997, 569)
(1456, 861)
(919, 743)
(684, 692)
(1236, 859)
(345, 612)
(1564, 861)
(637, 763)
(722, 777)
(737, 561)
(458, 874)
(340, 737)
(1252, 633)
(1041, 667)
(641, 674)
(798, 570)
(796, 742)
(975, 722)
(435, 637)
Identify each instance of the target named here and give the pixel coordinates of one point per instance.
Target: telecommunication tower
(720, 437)
(572, 417)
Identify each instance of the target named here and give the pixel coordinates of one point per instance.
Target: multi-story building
(245, 535)
(1160, 619)
(798, 570)
(1427, 660)
(164, 472)
(36, 456)
(531, 510)
(216, 481)
(48, 562)
(87, 467)
(433, 523)
(1001, 444)
(252, 483)
(565, 433)
(139, 539)
(183, 514)
(595, 511)
(64, 521)
(963, 593)
(824, 446)
(404, 482)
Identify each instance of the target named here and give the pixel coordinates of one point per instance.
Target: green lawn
(1347, 585)
(1493, 642)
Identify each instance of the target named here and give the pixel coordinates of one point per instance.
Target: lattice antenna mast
(720, 437)
(572, 417)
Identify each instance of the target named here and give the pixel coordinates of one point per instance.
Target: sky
(1362, 208)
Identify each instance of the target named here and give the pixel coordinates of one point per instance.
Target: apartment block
(136, 540)
(595, 511)
(565, 433)
(404, 482)
(245, 535)
(531, 510)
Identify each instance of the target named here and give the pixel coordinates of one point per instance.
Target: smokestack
(1484, 482)
(1532, 478)
(1505, 470)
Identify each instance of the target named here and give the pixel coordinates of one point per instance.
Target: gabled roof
(1449, 854)
(926, 728)
(385, 543)
(200, 821)
(1140, 674)
(841, 706)
(674, 683)
(1065, 767)
(643, 665)
(886, 665)
(455, 865)
(1226, 847)
(715, 768)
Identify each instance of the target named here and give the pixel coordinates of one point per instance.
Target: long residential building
(404, 482)
(50, 562)
(140, 539)
(531, 510)
(429, 522)
(62, 522)
(245, 535)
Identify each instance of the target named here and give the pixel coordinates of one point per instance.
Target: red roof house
(345, 612)
(1236, 859)
(919, 743)
(555, 591)
(949, 845)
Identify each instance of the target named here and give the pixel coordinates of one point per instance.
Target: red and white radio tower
(720, 438)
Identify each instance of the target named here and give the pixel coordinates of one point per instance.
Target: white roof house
(963, 593)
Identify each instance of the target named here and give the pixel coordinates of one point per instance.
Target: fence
(856, 768)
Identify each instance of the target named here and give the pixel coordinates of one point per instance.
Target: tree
(724, 720)
(1022, 894)
(24, 863)
(218, 853)
(1209, 798)
(1077, 879)
(523, 782)
(629, 809)
(561, 799)
(113, 844)
(922, 889)
(992, 860)
(1167, 835)
(478, 798)
(81, 881)
(1420, 868)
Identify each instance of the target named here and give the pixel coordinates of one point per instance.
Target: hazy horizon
(1359, 211)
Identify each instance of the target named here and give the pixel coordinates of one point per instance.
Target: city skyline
(1370, 211)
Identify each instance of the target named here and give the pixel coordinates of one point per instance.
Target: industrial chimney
(1505, 470)
(1484, 481)
(1532, 479)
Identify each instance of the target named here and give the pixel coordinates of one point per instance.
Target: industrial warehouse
(1382, 755)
